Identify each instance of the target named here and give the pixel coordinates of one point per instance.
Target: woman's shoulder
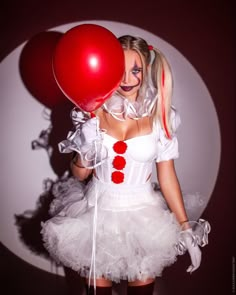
(175, 122)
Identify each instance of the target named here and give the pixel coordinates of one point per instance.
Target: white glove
(89, 132)
(89, 143)
(193, 250)
(190, 240)
(87, 140)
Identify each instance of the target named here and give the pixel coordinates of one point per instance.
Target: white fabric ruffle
(121, 108)
(135, 235)
(92, 153)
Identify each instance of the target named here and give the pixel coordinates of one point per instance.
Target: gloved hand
(193, 249)
(89, 142)
(191, 238)
(89, 132)
(86, 140)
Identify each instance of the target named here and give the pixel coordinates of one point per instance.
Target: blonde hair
(158, 76)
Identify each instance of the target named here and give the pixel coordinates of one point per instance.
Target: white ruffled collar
(121, 108)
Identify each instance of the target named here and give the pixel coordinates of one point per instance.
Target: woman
(118, 227)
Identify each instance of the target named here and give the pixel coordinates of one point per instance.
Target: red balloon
(36, 68)
(88, 65)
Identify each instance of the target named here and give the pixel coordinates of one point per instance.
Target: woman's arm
(78, 170)
(170, 188)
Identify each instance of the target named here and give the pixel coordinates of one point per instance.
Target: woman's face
(133, 75)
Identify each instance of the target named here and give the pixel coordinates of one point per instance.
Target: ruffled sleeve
(91, 149)
(167, 149)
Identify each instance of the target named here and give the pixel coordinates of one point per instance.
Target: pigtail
(163, 81)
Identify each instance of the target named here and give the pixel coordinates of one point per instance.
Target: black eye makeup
(136, 69)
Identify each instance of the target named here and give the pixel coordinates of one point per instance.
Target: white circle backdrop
(24, 170)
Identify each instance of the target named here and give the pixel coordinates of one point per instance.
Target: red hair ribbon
(163, 78)
(150, 47)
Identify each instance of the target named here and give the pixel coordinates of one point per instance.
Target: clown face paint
(133, 75)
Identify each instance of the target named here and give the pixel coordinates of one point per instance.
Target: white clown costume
(117, 227)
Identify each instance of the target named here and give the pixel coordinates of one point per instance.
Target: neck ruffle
(122, 108)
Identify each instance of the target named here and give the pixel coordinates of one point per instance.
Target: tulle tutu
(132, 231)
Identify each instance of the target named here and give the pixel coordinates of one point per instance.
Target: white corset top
(129, 161)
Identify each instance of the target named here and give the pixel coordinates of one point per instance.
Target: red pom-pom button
(117, 177)
(119, 162)
(120, 147)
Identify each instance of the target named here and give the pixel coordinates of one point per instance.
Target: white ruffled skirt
(125, 231)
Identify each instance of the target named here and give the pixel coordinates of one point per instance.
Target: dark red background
(203, 31)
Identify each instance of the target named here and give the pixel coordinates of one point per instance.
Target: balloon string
(93, 257)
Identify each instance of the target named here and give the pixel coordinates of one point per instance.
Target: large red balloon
(36, 68)
(88, 65)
